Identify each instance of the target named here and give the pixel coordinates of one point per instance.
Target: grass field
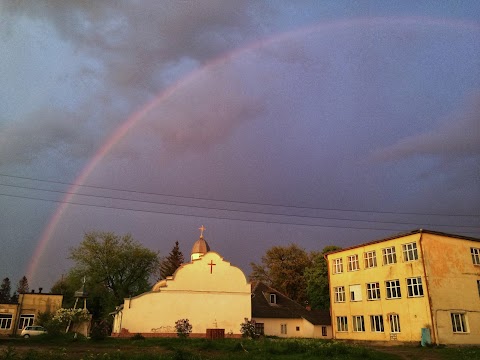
(45, 348)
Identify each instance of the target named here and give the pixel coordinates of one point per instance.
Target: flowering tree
(248, 330)
(183, 327)
(65, 316)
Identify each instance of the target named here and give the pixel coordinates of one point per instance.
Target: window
(297, 328)
(273, 298)
(459, 324)
(389, 256)
(355, 293)
(324, 331)
(393, 289)
(5, 321)
(337, 266)
(353, 263)
(358, 323)
(410, 252)
(259, 328)
(370, 259)
(414, 287)
(475, 256)
(373, 291)
(26, 320)
(377, 323)
(340, 294)
(342, 323)
(394, 323)
(283, 328)
(478, 287)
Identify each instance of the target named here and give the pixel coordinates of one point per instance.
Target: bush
(183, 327)
(248, 329)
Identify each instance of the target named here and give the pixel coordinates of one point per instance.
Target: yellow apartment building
(417, 286)
(14, 317)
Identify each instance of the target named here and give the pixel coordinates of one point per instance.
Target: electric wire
(234, 210)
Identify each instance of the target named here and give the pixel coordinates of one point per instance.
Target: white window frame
(459, 322)
(338, 266)
(415, 287)
(389, 255)
(373, 291)
(283, 329)
(353, 264)
(358, 323)
(26, 320)
(475, 255)
(339, 294)
(370, 258)
(410, 251)
(6, 321)
(342, 324)
(273, 298)
(394, 323)
(393, 290)
(355, 292)
(376, 322)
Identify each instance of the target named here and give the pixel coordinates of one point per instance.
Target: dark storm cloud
(24, 140)
(456, 136)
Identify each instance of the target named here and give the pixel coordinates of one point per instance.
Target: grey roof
(285, 308)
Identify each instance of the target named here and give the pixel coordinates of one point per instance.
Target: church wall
(157, 312)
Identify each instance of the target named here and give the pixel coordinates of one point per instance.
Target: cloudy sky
(269, 122)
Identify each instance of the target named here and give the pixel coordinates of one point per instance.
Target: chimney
(33, 291)
(40, 290)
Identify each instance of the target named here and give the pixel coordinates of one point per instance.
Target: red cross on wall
(211, 266)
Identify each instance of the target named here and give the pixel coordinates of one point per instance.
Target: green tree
(5, 290)
(172, 262)
(115, 267)
(316, 276)
(283, 269)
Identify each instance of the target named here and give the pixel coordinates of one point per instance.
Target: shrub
(248, 330)
(183, 327)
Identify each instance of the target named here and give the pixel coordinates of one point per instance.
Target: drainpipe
(330, 296)
(434, 326)
(19, 312)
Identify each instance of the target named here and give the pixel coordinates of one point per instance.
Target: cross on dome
(202, 229)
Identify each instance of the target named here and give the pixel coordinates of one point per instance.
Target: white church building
(208, 291)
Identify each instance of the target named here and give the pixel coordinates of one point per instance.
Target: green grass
(68, 348)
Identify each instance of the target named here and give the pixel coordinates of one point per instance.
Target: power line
(233, 210)
(208, 216)
(238, 201)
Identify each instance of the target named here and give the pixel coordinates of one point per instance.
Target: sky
(269, 122)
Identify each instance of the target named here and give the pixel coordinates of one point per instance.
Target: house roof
(403, 234)
(284, 308)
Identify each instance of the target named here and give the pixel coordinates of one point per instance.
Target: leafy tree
(172, 262)
(283, 269)
(5, 290)
(116, 267)
(316, 277)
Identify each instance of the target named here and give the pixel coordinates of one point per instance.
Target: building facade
(14, 317)
(208, 291)
(277, 315)
(417, 286)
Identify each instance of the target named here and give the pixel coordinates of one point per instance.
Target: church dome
(200, 247)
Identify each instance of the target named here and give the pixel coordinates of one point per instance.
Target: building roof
(284, 308)
(403, 234)
(200, 246)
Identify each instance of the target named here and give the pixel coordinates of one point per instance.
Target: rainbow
(136, 117)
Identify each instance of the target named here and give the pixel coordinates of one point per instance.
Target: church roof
(284, 307)
(200, 246)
